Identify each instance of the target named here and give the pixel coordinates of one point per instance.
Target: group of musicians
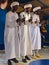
(22, 36)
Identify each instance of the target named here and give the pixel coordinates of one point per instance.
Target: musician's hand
(36, 23)
(20, 23)
(17, 20)
(23, 19)
(30, 20)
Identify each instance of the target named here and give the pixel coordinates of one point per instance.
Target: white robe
(25, 39)
(11, 36)
(35, 35)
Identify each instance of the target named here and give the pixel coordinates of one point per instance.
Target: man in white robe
(11, 34)
(25, 34)
(35, 33)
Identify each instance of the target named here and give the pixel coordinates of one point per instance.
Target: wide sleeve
(22, 15)
(16, 16)
(8, 20)
(38, 18)
(33, 18)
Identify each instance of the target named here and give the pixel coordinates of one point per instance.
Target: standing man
(11, 35)
(35, 34)
(25, 34)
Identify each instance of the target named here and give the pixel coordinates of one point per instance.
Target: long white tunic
(25, 37)
(35, 35)
(11, 36)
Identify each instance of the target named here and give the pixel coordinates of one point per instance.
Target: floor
(44, 52)
(40, 62)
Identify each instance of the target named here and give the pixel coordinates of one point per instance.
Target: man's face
(39, 11)
(15, 7)
(28, 9)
